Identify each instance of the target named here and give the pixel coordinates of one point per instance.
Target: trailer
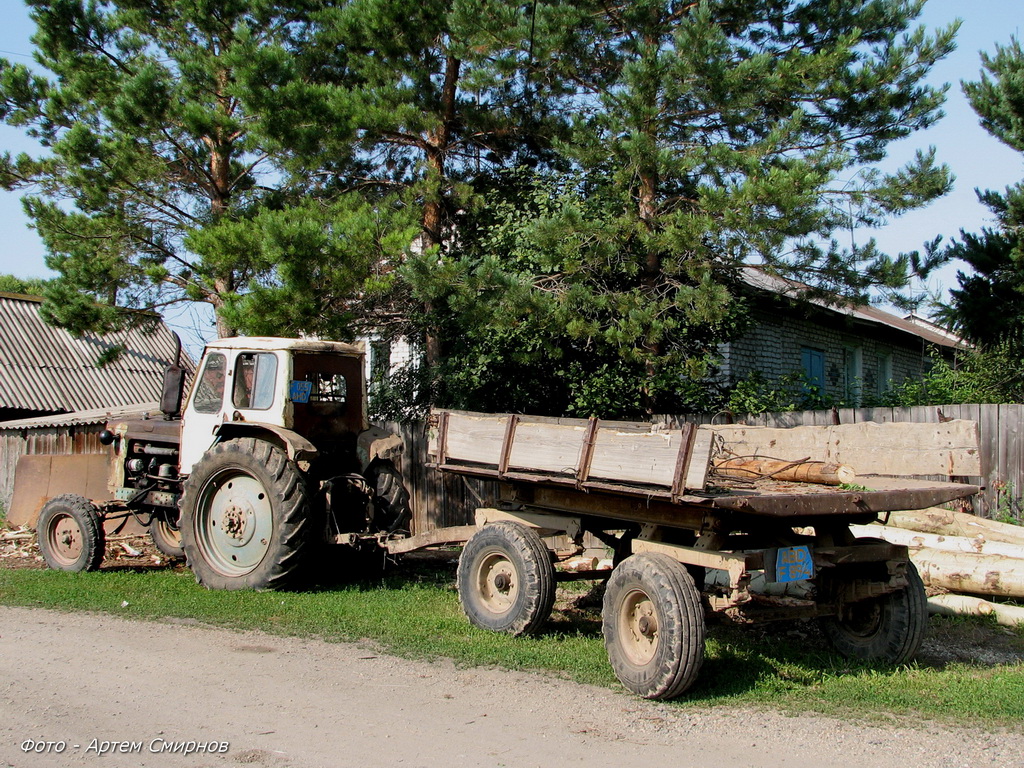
(653, 498)
(269, 468)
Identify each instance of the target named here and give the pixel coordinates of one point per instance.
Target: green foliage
(989, 303)
(274, 159)
(155, 185)
(534, 320)
(30, 286)
(755, 393)
(703, 137)
(1009, 505)
(993, 374)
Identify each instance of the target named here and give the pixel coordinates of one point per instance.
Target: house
(46, 370)
(849, 352)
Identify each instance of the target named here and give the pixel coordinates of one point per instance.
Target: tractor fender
(377, 443)
(297, 447)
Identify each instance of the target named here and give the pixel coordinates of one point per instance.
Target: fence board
(1000, 431)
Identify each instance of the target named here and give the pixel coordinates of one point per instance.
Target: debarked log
(965, 605)
(975, 574)
(948, 523)
(788, 471)
(917, 540)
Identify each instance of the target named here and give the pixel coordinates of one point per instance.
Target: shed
(62, 435)
(46, 370)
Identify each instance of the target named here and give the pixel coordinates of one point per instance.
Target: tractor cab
(310, 396)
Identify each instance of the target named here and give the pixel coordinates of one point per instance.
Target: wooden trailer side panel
(586, 450)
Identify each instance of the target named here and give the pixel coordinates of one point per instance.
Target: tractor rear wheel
(70, 532)
(246, 519)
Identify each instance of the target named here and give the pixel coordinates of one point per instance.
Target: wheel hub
(68, 539)
(638, 627)
(498, 583)
(648, 626)
(233, 521)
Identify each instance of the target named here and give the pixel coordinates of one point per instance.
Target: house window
(883, 379)
(853, 369)
(813, 362)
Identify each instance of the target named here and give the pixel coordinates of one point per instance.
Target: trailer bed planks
(553, 467)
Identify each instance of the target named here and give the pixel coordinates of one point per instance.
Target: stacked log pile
(969, 557)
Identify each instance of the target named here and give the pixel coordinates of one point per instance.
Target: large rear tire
(888, 628)
(653, 626)
(70, 533)
(246, 520)
(506, 579)
(391, 499)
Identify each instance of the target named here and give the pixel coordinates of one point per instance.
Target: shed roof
(83, 418)
(44, 368)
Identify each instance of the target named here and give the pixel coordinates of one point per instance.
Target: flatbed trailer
(652, 498)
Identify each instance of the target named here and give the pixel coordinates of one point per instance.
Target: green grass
(414, 612)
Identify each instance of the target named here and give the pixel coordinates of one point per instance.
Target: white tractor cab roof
(297, 345)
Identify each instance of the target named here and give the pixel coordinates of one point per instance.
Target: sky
(977, 159)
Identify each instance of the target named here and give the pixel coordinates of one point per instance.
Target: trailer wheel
(653, 626)
(70, 532)
(506, 579)
(246, 521)
(888, 628)
(166, 538)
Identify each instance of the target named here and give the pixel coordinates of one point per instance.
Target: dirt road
(159, 690)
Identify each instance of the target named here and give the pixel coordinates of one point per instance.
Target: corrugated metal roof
(47, 369)
(757, 278)
(80, 418)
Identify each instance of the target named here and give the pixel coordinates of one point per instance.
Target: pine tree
(414, 99)
(708, 136)
(146, 144)
(989, 304)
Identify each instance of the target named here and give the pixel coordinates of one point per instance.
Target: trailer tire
(506, 580)
(166, 538)
(888, 628)
(70, 533)
(653, 625)
(246, 519)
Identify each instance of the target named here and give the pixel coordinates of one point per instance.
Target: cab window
(255, 376)
(210, 387)
(327, 387)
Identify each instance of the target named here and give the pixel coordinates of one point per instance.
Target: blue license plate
(794, 564)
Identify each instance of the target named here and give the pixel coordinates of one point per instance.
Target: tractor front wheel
(70, 533)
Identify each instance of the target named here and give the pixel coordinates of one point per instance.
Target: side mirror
(173, 389)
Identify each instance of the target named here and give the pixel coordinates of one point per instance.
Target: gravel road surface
(97, 683)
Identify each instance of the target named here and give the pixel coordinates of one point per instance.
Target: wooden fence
(999, 427)
(439, 499)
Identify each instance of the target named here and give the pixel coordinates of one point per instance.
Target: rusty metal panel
(39, 478)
